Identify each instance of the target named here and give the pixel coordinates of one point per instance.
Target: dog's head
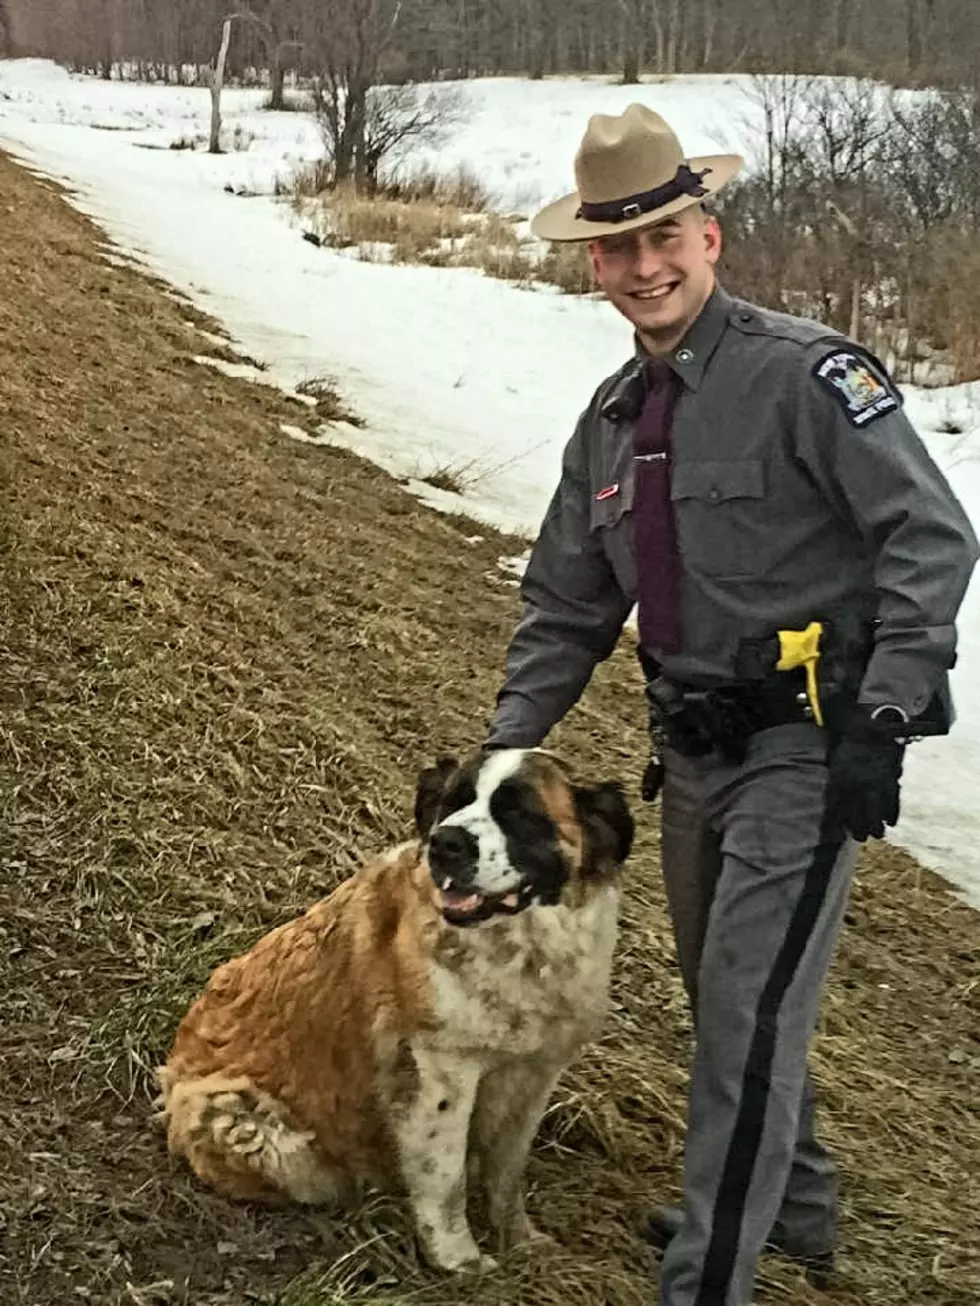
(508, 829)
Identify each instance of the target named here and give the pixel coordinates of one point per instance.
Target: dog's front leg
(512, 1099)
(431, 1131)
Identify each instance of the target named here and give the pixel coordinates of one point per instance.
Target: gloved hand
(653, 779)
(865, 767)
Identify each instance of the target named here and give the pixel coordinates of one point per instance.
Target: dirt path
(223, 656)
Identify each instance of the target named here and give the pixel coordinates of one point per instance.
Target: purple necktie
(658, 568)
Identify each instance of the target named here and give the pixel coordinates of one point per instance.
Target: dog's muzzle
(454, 856)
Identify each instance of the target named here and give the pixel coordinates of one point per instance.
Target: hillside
(223, 657)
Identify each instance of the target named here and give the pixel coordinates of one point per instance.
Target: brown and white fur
(413, 1023)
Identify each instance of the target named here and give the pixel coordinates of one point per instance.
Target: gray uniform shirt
(799, 487)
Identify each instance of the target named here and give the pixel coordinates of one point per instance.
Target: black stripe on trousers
(726, 1226)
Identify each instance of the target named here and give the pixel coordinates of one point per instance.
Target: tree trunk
(673, 37)
(463, 57)
(108, 57)
(633, 42)
(855, 325)
(911, 324)
(842, 26)
(343, 158)
(913, 34)
(277, 79)
(659, 38)
(710, 26)
(349, 138)
(217, 82)
(770, 156)
(536, 51)
(356, 110)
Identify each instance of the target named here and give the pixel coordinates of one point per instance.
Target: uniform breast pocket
(720, 513)
(611, 523)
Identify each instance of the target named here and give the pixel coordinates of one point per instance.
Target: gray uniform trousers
(757, 884)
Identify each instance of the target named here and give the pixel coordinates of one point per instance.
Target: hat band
(684, 182)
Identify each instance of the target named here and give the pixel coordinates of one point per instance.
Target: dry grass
(567, 267)
(447, 477)
(434, 233)
(424, 218)
(412, 228)
(328, 403)
(459, 477)
(308, 182)
(460, 188)
(224, 655)
(416, 223)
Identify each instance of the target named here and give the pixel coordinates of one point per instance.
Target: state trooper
(750, 481)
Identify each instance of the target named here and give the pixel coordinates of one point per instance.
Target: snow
(940, 813)
(448, 369)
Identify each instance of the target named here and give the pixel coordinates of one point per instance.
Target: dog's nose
(451, 848)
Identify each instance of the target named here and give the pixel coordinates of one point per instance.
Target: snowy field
(447, 367)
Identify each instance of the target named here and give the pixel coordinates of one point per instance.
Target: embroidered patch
(609, 492)
(861, 390)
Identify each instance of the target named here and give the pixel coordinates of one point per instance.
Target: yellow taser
(801, 648)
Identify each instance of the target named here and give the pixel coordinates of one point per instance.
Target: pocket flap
(715, 482)
(610, 503)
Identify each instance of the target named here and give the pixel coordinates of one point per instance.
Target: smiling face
(661, 276)
(507, 830)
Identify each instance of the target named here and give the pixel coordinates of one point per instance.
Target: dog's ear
(608, 824)
(428, 794)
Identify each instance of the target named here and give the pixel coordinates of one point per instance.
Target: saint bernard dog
(412, 1025)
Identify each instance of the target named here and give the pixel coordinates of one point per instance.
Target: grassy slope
(223, 655)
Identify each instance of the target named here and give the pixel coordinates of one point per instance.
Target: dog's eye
(460, 794)
(517, 810)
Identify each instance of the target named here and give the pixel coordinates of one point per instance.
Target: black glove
(865, 765)
(653, 779)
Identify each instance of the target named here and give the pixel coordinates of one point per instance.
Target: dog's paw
(468, 1263)
(483, 1265)
(532, 1234)
(520, 1232)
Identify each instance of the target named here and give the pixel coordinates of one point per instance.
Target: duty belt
(696, 721)
(813, 674)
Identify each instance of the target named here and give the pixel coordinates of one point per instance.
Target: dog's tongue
(467, 904)
(462, 903)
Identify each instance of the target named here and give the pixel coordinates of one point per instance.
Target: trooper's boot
(818, 1267)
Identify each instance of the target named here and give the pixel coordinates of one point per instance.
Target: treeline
(902, 41)
(6, 30)
(863, 211)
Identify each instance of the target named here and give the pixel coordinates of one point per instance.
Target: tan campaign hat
(631, 172)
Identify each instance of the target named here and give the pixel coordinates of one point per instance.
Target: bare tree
(848, 131)
(920, 19)
(863, 212)
(398, 117)
(6, 30)
(936, 153)
(275, 24)
(633, 20)
(781, 99)
(349, 38)
(426, 39)
(217, 84)
(938, 149)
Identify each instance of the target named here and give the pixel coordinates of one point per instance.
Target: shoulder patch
(863, 391)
